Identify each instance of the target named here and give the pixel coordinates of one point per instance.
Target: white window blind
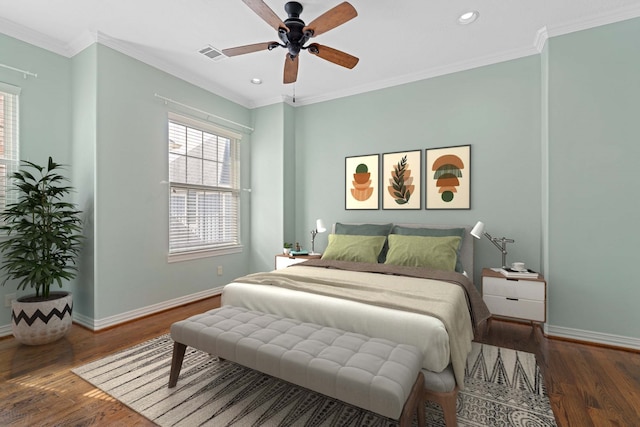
(9, 158)
(204, 200)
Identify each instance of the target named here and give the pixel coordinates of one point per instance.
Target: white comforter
(425, 332)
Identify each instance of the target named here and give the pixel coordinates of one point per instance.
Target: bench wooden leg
(447, 400)
(176, 363)
(414, 403)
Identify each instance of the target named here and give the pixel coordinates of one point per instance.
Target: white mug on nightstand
(518, 266)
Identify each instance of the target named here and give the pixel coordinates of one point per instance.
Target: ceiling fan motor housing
(295, 38)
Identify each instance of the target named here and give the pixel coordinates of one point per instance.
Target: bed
(362, 289)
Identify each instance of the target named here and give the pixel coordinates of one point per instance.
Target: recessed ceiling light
(256, 81)
(468, 17)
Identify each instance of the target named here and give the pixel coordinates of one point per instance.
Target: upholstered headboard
(466, 251)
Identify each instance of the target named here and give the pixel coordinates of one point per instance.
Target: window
(9, 160)
(204, 198)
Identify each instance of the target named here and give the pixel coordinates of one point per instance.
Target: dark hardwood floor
(588, 385)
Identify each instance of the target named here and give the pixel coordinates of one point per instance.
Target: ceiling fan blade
(333, 55)
(241, 50)
(266, 13)
(290, 69)
(332, 18)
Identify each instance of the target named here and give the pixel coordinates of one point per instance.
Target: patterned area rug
(502, 388)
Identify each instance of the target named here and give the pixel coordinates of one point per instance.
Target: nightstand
(283, 261)
(524, 299)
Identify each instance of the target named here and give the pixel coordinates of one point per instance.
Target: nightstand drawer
(520, 308)
(519, 289)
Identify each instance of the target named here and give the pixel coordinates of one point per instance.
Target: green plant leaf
(44, 230)
(401, 193)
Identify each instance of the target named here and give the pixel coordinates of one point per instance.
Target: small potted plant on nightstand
(43, 241)
(287, 248)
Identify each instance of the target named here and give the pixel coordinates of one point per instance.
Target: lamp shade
(478, 230)
(320, 226)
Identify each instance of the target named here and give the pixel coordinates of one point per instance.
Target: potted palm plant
(43, 242)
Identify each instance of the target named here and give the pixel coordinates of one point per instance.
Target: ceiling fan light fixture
(468, 17)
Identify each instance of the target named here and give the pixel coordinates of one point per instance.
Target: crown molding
(176, 71)
(540, 39)
(423, 75)
(71, 49)
(542, 35)
(81, 42)
(618, 15)
(33, 37)
(273, 100)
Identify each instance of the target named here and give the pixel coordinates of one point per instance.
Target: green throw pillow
(367, 230)
(423, 251)
(345, 247)
(434, 232)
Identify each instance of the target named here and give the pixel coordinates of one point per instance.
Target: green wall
(554, 150)
(594, 196)
(267, 179)
(552, 164)
(273, 183)
(84, 81)
(45, 116)
(131, 200)
(97, 111)
(495, 109)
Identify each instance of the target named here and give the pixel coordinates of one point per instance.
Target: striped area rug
(502, 388)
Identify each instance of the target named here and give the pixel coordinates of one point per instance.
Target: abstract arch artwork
(448, 178)
(361, 182)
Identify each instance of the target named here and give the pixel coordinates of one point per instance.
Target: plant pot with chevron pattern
(43, 242)
(36, 322)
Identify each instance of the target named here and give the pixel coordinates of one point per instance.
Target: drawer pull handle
(513, 299)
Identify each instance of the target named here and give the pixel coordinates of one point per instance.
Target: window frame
(185, 254)
(10, 156)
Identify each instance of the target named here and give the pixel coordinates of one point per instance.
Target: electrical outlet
(219, 270)
(8, 298)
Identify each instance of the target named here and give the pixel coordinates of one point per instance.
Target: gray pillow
(434, 232)
(367, 230)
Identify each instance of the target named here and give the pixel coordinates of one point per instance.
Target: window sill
(187, 256)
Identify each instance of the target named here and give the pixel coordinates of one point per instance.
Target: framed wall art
(401, 180)
(361, 182)
(448, 177)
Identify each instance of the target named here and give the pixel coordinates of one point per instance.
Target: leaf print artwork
(401, 187)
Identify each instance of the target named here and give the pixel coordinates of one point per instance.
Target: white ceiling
(397, 41)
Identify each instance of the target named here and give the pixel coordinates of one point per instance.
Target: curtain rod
(165, 99)
(25, 73)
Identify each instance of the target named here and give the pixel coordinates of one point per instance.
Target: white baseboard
(550, 330)
(5, 330)
(592, 337)
(108, 322)
(99, 324)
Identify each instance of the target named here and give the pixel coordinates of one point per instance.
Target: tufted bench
(375, 374)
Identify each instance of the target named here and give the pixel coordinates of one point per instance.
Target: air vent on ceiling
(212, 53)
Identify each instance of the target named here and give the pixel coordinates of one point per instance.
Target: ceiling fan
(294, 34)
